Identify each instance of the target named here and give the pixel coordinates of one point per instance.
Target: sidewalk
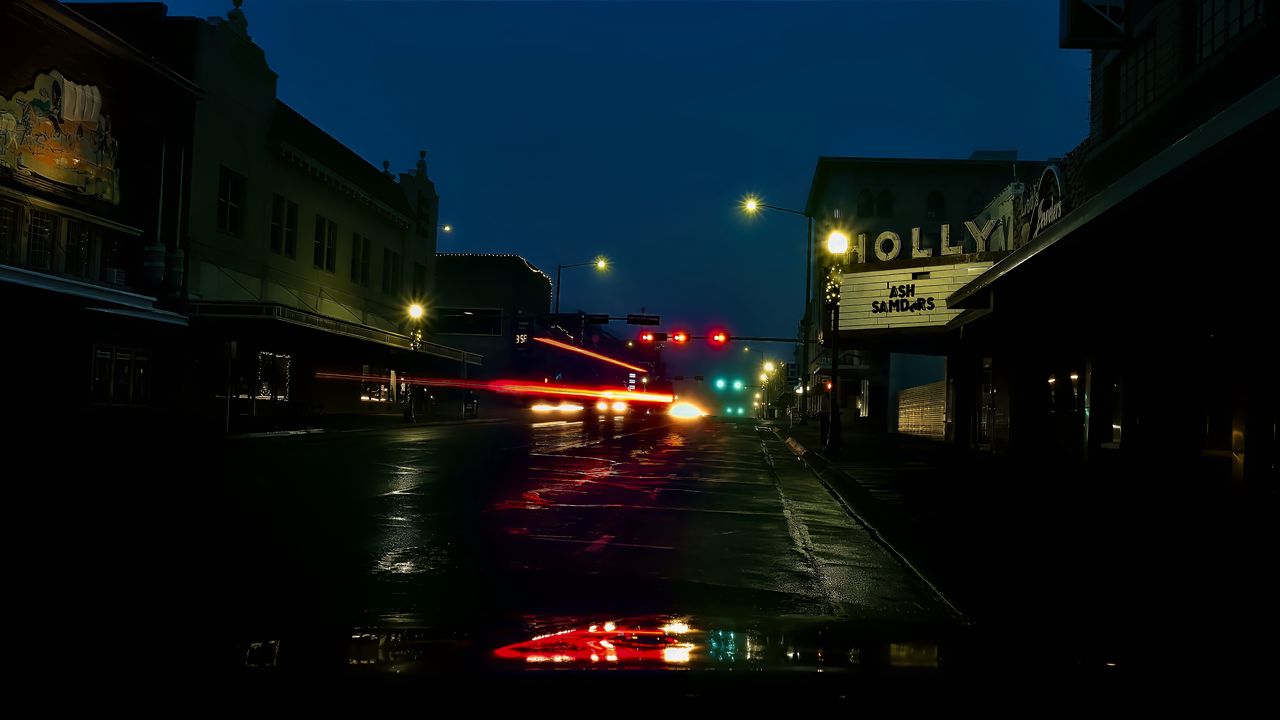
(898, 486)
(353, 422)
(1134, 567)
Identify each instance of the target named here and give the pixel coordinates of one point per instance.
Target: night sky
(560, 131)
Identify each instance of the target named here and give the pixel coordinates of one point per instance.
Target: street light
(752, 205)
(416, 312)
(837, 246)
(601, 264)
(447, 228)
(769, 366)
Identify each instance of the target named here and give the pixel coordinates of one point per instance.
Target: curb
(823, 469)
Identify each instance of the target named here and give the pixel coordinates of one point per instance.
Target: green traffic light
(720, 383)
(737, 384)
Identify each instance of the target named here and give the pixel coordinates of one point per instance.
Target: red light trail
(588, 353)
(512, 387)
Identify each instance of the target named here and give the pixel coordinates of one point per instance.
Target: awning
(74, 287)
(160, 316)
(324, 323)
(1240, 115)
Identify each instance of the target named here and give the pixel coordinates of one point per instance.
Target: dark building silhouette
(95, 146)
(1133, 337)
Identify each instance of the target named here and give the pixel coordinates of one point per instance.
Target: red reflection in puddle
(607, 643)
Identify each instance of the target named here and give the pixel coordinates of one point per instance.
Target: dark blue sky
(560, 131)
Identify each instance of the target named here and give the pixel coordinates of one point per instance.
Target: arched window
(866, 204)
(884, 204)
(935, 206)
(976, 202)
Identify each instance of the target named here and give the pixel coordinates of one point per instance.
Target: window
(277, 224)
(390, 272)
(356, 246)
(41, 229)
(120, 376)
(360, 251)
(468, 321)
(1222, 20)
(9, 214)
(141, 378)
(100, 377)
(284, 226)
(1135, 78)
(419, 280)
(230, 202)
(866, 204)
(325, 253)
(366, 260)
(79, 256)
(935, 206)
(386, 270)
(884, 204)
(273, 376)
(291, 231)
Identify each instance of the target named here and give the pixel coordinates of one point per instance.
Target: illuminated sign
(903, 297)
(56, 132)
(1040, 206)
(1044, 207)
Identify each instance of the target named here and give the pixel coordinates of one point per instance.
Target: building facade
(95, 142)
(917, 228)
(491, 305)
(1133, 339)
(304, 258)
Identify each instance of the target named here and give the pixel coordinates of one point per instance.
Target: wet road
(457, 526)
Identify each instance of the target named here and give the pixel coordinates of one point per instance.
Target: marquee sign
(903, 297)
(56, 131)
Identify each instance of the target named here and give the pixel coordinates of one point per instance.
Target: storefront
(1134, 336)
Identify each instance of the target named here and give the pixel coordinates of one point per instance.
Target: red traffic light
(679, 336)
(646, 337)
(719, 337)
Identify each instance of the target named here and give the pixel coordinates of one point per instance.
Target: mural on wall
(57, 131)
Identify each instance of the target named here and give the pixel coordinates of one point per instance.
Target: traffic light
(720, 383)
(737, 384)
(680, 336)
(719, 337)
(648, 337)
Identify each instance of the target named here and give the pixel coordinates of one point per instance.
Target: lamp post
(415, 312)
(753, 205)
(601, 264)
(837, 246)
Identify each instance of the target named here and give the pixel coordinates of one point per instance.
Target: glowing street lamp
(601, 264)
(446, 228)
(416, 311)
(837, 246)
(769, 366)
